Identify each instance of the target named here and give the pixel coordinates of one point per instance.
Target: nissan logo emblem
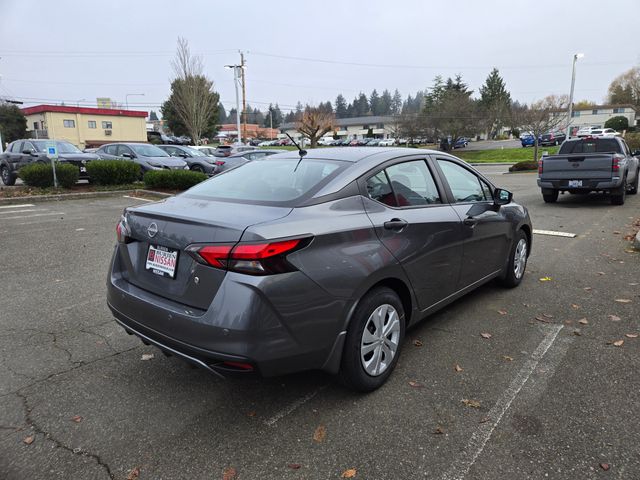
(152, 229)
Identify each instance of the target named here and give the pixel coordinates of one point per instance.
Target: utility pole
(244, 97)
(236, 80)
(573, 81)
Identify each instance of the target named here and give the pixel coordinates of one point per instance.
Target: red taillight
(251, 258)
(123, 234)
(540, 167)
(615, 167)
(220, 162)
(238, 365)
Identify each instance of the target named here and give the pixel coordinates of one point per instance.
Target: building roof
(348, 122)
(83, 110)
(601, 107)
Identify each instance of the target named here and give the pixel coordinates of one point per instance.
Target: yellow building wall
(123, 129)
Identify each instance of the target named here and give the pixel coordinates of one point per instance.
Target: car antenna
(301, 152)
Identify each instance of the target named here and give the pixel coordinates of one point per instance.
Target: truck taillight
(540, 167)
(263, 258)
(615, 166)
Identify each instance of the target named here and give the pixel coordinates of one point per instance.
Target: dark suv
(23, 152)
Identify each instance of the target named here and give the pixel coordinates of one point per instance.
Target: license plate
(575, 183)
(162, 261)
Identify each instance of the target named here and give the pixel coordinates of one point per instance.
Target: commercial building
(86, 127)
(356, 127)
(596, 116)
(253, 130)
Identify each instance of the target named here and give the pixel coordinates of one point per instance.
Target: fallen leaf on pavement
(320, 433)
(457, 368)
(438, 431)
(28, 440)
(484, 420)
(575, 306)
(577, 333)
(76, 419)
(415, 384)
(543, 319)
(634, 284)
(587, 289)
(350, 473)
(623, 300)
(485, 335)
(583, 321)
(147, 356)
(548, 315)
(417, 343)
(502, 312)
(614, 318)
(507, 358)
(294, 466)
(601, 273)
(605, 466)
(616, 232)
(545, 279)
(471, 403)
(618, 343)
(251, 414)
(631, 335)
(135, 473)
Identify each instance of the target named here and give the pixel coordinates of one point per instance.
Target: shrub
(41, 175)
(633, 140)
(173, 179)
(618, 123)
(526, 165)
(113, 172)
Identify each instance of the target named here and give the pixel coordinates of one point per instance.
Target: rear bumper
(278, 325)
(587, 184)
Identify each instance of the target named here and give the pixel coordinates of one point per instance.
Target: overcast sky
(64, 50)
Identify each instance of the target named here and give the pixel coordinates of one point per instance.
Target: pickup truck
(590, 164)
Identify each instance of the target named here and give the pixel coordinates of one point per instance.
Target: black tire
(352, 371)
(619, 195)
(634, 187)
(7, 178)
(550, 196)
(197, 168)
(512, 277)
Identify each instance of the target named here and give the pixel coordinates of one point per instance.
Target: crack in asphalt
(58, 443)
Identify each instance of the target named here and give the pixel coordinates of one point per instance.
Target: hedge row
(113, 172)
(173, 179)
(41, 175)
(526, 165)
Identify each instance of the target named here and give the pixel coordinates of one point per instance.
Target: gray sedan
(233, 161)
(197, 160)
(321, 262)
(149, 157)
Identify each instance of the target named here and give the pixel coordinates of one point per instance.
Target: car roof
(356, 154)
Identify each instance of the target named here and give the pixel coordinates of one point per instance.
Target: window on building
(91, 123)
(365, 127)
(69, 123)
(35, 125)
(594, 111)
(575, 114)
(380, 125)
(107, 125)
(618, 110)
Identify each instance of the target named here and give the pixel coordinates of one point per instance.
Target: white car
(266, 143)
(387, 142)
(604, 132)
(326, 141)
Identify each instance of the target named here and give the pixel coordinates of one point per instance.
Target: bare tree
(314, 123)
(541, 117)
(193, 99)
(625, 88)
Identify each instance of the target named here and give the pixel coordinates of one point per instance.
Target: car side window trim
(445, 184)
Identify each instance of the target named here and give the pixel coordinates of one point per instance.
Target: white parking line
(10, 212)
(292, 407)
(554, 233)
(34, 215)
(465, 461)
(139, 198)
(18, 206)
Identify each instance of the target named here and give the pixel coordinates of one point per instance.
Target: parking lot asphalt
(547, 395)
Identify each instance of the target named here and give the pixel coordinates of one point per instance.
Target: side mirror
(636, 153)
(27, 152)
(502, 197)
(127, 155)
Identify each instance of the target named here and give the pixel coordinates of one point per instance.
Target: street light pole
(573, 81)
(126, 97)
(270, 124)
(236, 80)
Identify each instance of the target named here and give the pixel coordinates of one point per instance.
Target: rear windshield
(272, 181)
(591, 145)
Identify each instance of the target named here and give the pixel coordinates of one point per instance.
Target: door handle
(470, 222)
(396, 224)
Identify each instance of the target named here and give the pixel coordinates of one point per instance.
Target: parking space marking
(24, 205)
(10, 212)
(480, 437)
(293, 406)
(139, 198)
(34, 215)
(554, 233)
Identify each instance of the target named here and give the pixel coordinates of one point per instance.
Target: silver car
(149, 157)
(319, 262)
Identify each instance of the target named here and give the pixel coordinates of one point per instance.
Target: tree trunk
(313, 142)
(535, 149)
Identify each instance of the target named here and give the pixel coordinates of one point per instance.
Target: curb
(79, 196)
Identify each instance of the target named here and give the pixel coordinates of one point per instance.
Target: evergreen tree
(374, 102)
(153, 116)
(385, 103)
(396, 103)
(361, 105)
(341, 107)
(222, 114)
(13, 123)
(232, 117)
(495, 102)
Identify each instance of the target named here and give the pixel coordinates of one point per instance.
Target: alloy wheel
(520, 258)
(380, 338)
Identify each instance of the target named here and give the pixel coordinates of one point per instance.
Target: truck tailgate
(576, 166)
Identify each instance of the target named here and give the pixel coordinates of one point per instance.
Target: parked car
(26, 151)
(267, 143)
(387, 142)
(149, 157)
(586, 131)
(326, 141)
(527, 140)
(197, 160)
(372, 142)
(241, 158)
(583, 165)
(604, 132)
(552, 138)
(207, 150)
(227, 150)
(290, 263)
(461, 143)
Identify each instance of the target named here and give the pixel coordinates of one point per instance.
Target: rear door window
(413, 184)
(379, 189)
